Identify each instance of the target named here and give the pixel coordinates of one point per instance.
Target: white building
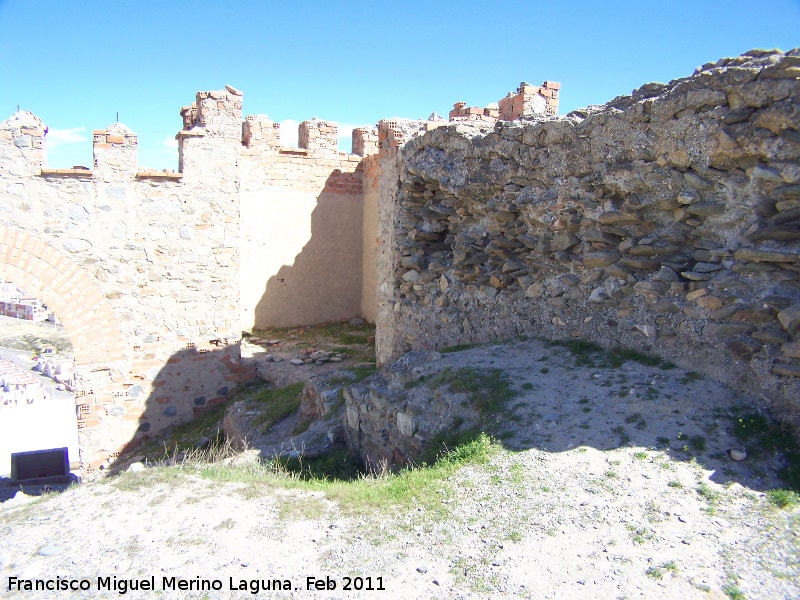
(9, 292)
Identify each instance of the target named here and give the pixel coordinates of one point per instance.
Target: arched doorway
(86, 315)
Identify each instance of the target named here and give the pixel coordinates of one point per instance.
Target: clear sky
(76, 64)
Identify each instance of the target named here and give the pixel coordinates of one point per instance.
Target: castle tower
(212, 129)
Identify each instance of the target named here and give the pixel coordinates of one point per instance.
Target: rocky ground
(606, 481)
(286, 356)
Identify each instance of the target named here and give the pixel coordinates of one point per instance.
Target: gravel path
(610, 483)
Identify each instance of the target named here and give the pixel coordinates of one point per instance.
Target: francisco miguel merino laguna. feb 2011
(254, 586)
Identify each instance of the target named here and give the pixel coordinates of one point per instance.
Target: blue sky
(75, 64)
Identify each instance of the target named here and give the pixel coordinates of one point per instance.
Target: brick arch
(88, 318)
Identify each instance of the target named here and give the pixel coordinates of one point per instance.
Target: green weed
(783, 498)
(690, 377)
(624, 438)
(277, 404)
(763, 436)
(659, 572)
(698, 443)
(458, 348)
(360, 373)
(487, 390)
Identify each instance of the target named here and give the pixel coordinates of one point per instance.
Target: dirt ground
(608, 481)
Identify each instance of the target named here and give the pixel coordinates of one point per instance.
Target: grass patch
(710, 494)
(342, 338)
(353, 338)
(590, 354)
(616, 358)
(733, 592)
(763, 436)
(487, 390)
(638, 419)
(514, 536)
(339, 465)
(690, 377)
(624, 438)
(341, 479)
(640, 535)
(458, 348)
(360, 373)
(527, 386)
(698, 443)
(675, 484)
(783, 498)
(225, 524)
(277, 404)
(341, 333)
(659, 572)
(446, 440)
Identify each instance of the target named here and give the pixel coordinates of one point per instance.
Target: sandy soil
(610, 483)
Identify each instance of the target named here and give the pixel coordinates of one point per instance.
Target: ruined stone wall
(667, 221)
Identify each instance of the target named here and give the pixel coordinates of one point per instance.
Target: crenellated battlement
(319, 137)
(115, 152)
(365, 141)
(219, 112)
(25, 134)
(259, 132)
(213, 131)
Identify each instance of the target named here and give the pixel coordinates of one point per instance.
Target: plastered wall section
(301, 216)
(667, 221)
(154, 262)
(370, 239)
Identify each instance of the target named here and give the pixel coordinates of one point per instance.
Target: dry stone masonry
(667, 221)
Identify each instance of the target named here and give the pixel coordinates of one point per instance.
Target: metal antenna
(117, 116)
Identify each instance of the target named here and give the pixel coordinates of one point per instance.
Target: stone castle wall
(140, 266)
(667, 221)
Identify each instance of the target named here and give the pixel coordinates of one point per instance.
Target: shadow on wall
(191, 382)
(324, 282)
